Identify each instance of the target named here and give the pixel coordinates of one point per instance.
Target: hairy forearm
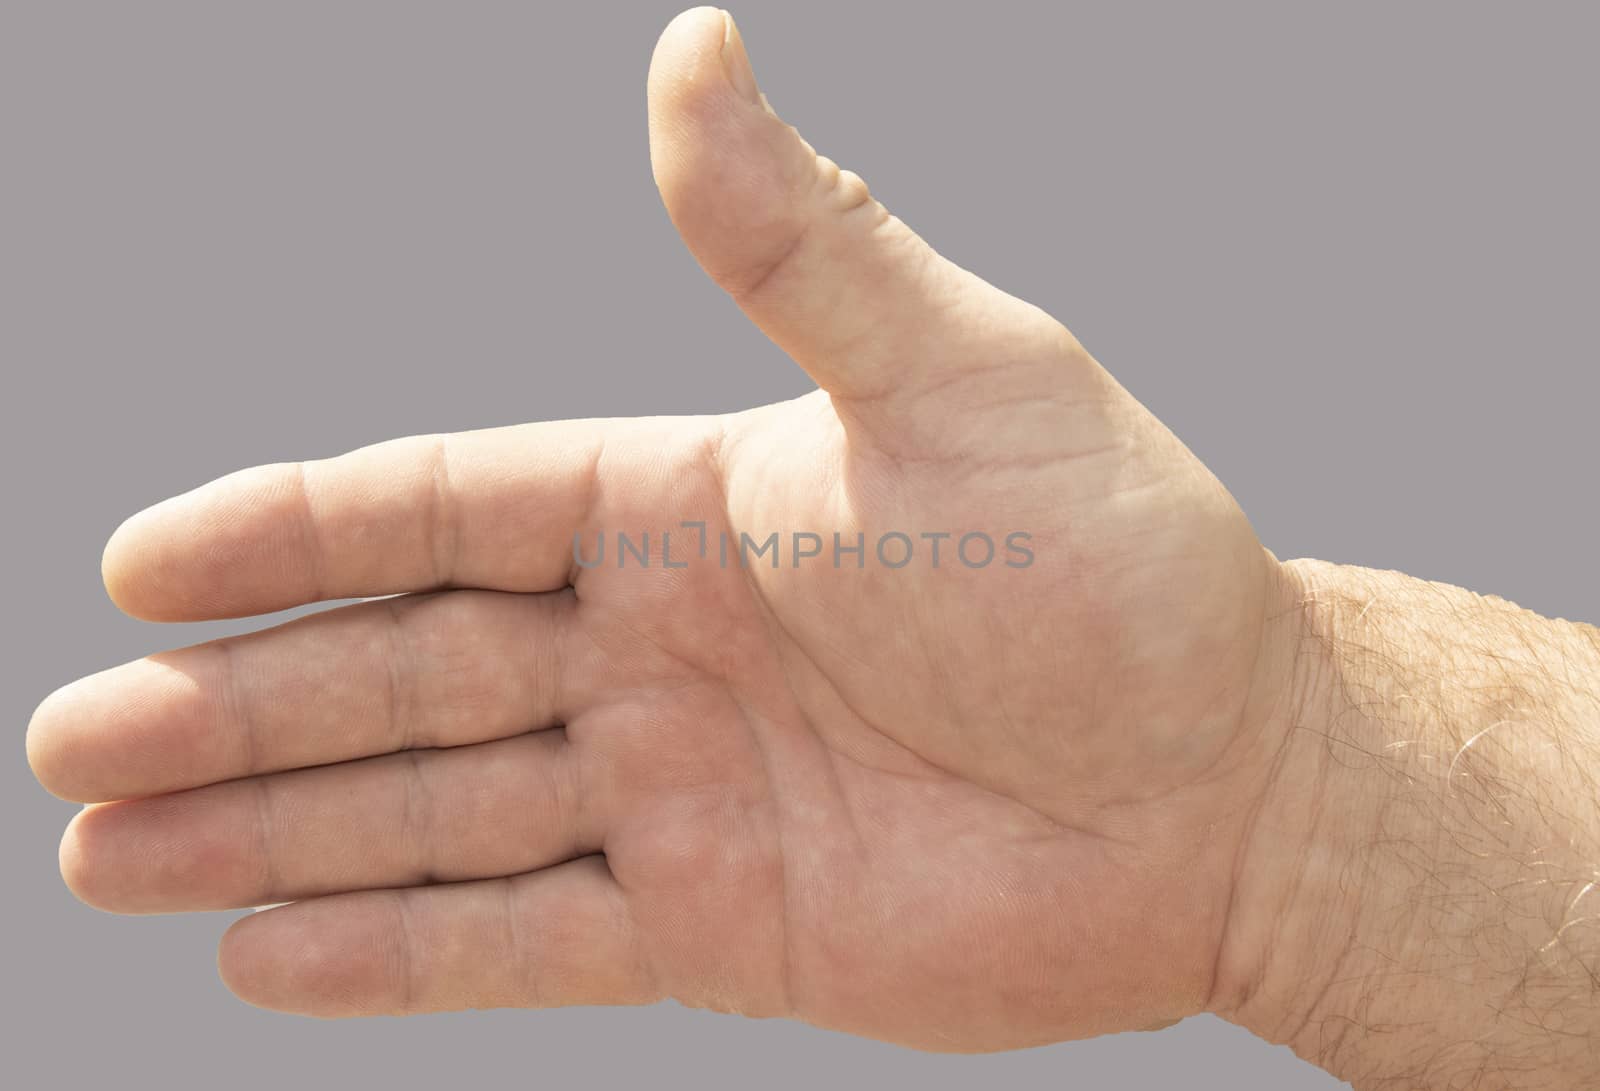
(1418, 904)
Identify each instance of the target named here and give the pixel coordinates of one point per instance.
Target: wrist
(1410, 901)
(1292, 912)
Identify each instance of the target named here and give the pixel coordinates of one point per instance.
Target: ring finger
(417, 817)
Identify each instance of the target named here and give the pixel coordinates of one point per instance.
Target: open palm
(958, 805)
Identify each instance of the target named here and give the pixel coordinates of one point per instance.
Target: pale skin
(1155, 772)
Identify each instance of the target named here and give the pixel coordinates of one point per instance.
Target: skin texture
(1423, 909)
(956, 808)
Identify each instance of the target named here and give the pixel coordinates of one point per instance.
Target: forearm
(1418, 904)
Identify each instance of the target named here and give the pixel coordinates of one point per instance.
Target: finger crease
(417, 821)
(514, 949)
(402, 725)
(591, 500)
(236, 710)
(311, 534)
(264, 839)
(407, 969)
(749, 291)
(444, 526)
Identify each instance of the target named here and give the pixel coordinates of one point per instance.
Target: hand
(959, 807)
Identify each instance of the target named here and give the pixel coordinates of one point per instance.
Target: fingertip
(234, 964)
(50, 744)
(690, 35)
(114, 569)
(37, 747)
(248, 968)
(164, 854)
(75, 862)
(88, 846)
(139, 567)
(296, 958)
(734, 178)
(688, 87)
(181, 558)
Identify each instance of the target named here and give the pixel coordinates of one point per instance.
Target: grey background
(1347, 251)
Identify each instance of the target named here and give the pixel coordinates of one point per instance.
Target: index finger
(492, 509)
